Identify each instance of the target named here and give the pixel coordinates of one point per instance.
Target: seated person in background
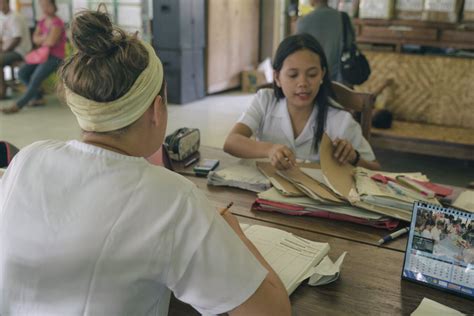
(118, 234)
(15, 35)
(289, 121)
(49, 32)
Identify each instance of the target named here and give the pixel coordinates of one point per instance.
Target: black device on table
(205, 166)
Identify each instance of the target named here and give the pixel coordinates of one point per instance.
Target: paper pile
(243, 175)
(346, 193)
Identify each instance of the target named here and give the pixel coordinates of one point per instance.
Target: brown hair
(107, 61)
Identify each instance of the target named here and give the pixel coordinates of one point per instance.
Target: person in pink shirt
(49, 32)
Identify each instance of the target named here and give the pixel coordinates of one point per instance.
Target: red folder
(436, 188)
(291, 209)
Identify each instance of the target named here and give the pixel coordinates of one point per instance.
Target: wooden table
(370, 281)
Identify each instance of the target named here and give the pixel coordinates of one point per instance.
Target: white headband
(95, 116)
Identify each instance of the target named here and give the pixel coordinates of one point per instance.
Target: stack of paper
(283, 186)
(465, 201)
(272, 201)
(345, 192)
(391, 195)
(244, 175)
(293, 258)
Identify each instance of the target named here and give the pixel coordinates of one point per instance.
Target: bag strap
(344, 31)
(346, 28)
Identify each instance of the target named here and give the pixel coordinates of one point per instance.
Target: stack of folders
(303, 191)
(343, 192)
(272, 201)
(392, 191)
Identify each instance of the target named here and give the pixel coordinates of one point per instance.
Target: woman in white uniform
(91, 228)
(288, 122)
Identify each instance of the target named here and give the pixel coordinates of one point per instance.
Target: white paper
(310, 205)
(326, 271)
(465, 201)
(440, 5)
(468, 5)
(410, 5)
(244, 175)
(428, 307)
(375, 9)
(267, 69)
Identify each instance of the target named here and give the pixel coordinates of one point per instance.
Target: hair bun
(94, 35)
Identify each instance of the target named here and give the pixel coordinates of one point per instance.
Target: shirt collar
(281, 111)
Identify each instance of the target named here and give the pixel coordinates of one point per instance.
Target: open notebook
(293, 258)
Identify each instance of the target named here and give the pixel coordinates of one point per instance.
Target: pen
(399, 189)
(223, 211)
(393, 235)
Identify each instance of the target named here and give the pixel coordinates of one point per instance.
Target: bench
(430, 98)
(427, 139)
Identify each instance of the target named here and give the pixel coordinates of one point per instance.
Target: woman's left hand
(343, 151)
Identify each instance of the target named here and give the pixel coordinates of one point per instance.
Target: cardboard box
(409, 9)
(376, 9)
(351, 7)
(442, 10)
(468, 15)
(252, 79)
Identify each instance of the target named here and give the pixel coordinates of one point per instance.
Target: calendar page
(440, 249)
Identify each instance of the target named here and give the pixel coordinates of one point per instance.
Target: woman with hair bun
(49, 32)
(91, 228)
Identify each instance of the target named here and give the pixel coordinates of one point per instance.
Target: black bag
(355, 68)
(7, 151)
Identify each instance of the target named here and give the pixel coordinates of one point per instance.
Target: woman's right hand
(281, 157)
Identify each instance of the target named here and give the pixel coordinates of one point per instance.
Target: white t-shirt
(84, 230)
(269, 120)
(13, 25)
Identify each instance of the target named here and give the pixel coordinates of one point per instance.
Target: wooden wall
(427, 89)
(232, 41)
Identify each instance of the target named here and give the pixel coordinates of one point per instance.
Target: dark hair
(107, 61)
(295, 43)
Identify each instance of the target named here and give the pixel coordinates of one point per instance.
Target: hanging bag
(37, 56)
(355, 68)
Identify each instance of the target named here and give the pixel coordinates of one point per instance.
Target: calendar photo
(440, 249)
(447, 236)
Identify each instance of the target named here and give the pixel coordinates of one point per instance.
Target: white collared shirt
(269, 120)
(87, 231)
(13, 25)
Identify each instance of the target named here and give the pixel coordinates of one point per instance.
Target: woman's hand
(344, 152)
(281, 157)
(39, 39)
